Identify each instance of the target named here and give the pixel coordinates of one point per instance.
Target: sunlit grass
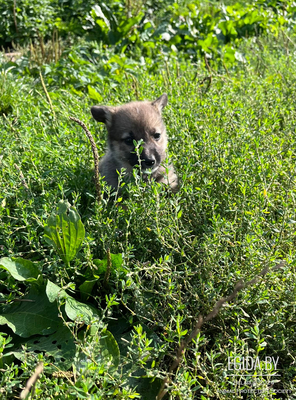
(233, 147)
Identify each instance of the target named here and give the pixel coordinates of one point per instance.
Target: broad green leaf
(105, 352)
(76, 310)
(125, 26)
(59, 345)
(86, 288)
(239, 57)
(116, 261)
(99, 13)
(93, 94)
(147, 387)
(65, 231)
(108, 351)
(19, 268)
(33, 315)
(53, 292)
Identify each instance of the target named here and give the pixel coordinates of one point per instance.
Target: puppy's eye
(156, 136)
(128, 140)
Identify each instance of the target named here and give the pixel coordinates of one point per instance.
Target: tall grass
(233, 146)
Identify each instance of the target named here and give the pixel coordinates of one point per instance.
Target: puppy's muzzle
(148, 162)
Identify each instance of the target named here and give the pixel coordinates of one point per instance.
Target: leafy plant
(42, 317)
(65, 232)
(38, 313)
(25, 20)
(119, 43)
(122, 302)
(7, 91)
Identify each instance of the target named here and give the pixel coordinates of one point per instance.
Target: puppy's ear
(161, 102)
(102, 114)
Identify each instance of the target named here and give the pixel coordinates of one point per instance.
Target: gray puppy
(131, 122)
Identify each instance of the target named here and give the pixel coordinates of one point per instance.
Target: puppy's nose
(148, 162)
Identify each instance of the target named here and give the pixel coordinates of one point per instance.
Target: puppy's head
(134, 122)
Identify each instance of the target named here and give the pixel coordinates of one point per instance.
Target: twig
(108, 269)
(41, 42)
(201, 320)
(168, 71)
(95, 154)
(55, 45)
(135, 83)
(20, 300)
(14, 16)
(289, 39)
(47, 95)
(226, 69)
(206, 78)
(22, 178)
(31, 381)
(208, 65)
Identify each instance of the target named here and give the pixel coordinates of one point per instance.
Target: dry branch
(95, 154)
(108, 269)
(31, 381)
(22, 177)
(47, 95)
(206, 78)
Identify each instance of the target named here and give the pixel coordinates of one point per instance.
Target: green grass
(234, 149)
